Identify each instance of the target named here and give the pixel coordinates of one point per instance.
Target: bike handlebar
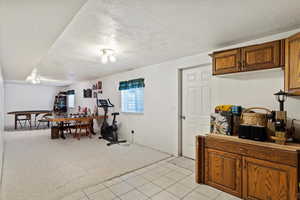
(104, 103)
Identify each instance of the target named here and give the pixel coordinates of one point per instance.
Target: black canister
(245, 131)
(258, 133)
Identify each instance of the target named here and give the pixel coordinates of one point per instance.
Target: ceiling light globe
(104, 59)
(38, 79)
(112, 58)
(28, 79)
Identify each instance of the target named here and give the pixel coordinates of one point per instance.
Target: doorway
(195, 106)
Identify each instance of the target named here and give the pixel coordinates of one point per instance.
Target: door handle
(182, 117)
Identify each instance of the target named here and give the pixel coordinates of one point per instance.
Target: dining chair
(24, 118)
(68, 126)
(44, 120)
(83, 124)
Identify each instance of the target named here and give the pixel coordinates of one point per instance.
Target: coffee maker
(280, 119)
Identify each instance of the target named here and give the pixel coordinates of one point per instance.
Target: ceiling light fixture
(34, 78)
(108, 55)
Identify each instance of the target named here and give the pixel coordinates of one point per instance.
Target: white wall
(20, 97)
(158, 126)
(1, 124)
(79, 100)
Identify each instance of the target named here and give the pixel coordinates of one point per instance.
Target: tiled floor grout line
(194, 189)
(162, 189)
(178, 181)
(124, 174)
(160, 165)
(188, 193)
(217, 196)
(85, 194)
(136, 188)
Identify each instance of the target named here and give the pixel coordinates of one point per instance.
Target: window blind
(133, 100)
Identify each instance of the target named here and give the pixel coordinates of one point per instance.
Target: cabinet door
(226, 62)
(292, 68)
(263, 180)
(223, 171)
(262, 56)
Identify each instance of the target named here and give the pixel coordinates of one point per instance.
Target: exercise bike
(109, 132)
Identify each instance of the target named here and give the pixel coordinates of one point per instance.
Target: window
(71, 99)
(133, 100)
(132, 95)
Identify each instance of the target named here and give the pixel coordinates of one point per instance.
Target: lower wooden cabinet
(268, 181)
(248, 169)
(223, 171)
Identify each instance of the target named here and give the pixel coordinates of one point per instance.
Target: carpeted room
(148, 78)
(38, 168)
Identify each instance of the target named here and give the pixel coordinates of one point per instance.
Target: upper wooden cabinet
(263, 56)
(292, 68)
(255, 57)
(227, 61)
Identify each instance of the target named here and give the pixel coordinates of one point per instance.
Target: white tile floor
(171, 179)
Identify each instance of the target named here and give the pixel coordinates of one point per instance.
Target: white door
(196, 106)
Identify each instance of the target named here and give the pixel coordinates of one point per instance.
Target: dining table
(36, 113)
(62, 119)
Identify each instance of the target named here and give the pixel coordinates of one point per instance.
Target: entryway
(196, 106)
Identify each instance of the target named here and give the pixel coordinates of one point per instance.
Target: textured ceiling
(28, 29)
(142, 33)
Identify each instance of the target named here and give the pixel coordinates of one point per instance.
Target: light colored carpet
(38, 168)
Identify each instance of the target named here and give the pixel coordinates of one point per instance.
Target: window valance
(70, 92)
(135, 83)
